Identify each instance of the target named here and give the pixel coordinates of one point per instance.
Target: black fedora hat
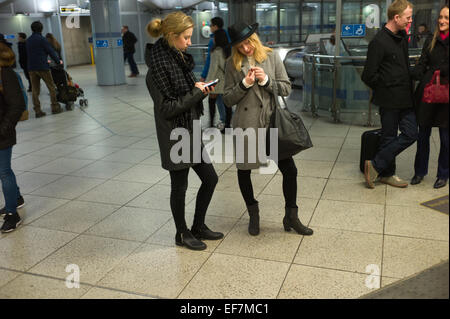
(240, 31)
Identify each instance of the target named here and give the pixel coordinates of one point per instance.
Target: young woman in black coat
(12, 104)
(435, 56)
(177, 98)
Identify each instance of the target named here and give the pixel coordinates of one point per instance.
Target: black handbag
(293, 137)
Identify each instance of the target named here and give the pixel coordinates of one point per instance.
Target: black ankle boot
(291, 220)
(253, 226)
(187, 239)
(416, 180)
(203, 232)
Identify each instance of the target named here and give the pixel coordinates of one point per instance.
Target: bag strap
(275, 93)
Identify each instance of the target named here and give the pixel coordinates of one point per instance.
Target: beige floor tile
(352, 142)
(327, 141)
(30, 146)
(340, 250)
(193, 179)
(348, 216)
(228, 182)
(271, 208)
(29, 181)
(349, 156)
(154, 160)
(310, 187)
(156, 270)
(414, 195)
(36, 206)
(304, 282)
(225, 204)
(95, 256)
(403, 257)
(328, 131)
(100, 293)
(386, 281)
(236, 278)
(28, 162)
(128, 223)
(418, 222)
(115, 192)
(129, 155)
(102, 169)
(344, 170)
(313, 168)
(86, 139)
(55, 137)
(75, 216)
(58, 150)
(93, 152)
(7, 275)
(158, 197)
(68, 187)
(62, 165)
(272, 243)
(117, 140)
(38, 287)
(354, 191)
(29, 245)
(318, 154)
(143, 174)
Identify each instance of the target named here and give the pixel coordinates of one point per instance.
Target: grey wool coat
(251, 102)
(217, 70)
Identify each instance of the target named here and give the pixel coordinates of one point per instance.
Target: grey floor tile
(68, 187)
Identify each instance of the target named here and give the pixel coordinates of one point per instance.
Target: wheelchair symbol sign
(353, 30)
(360, 30)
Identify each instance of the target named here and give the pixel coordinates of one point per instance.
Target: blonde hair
(7, 56)
(173, 25)
(436, 31)
(397, 7)
(260, 54)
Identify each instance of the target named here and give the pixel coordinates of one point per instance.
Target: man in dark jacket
(129, 40)
(38, 48)
(387, 73)
(23, 58)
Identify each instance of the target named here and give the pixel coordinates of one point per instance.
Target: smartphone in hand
(212, 83)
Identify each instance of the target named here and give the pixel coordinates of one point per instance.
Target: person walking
(23, 59)
(216, 25)
(129, 40)
(253, 75)
(387, 73)
(177, 98)
(12, 104)
(221, 51)
(434, 57)
(38, 48)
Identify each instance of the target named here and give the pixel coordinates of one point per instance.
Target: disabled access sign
(353, 30)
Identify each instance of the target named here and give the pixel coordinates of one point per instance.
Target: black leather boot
(203, 232)
(253, 226)
(416, 180)
(187, 239)
(291, 220)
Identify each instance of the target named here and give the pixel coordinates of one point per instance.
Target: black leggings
(179, 182)
(289, 171)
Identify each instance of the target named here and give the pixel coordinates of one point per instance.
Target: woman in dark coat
(434, 57)
(12, 104)
(177, 99)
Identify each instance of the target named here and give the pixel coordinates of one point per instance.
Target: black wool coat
(431, 115)
(168, 106)
(387, 70)
(12, 105)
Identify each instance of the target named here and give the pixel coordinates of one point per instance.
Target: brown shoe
(132, 75)
(40, 114)
(370, 174)
(394, 181)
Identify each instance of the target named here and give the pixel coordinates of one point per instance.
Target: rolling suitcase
(370, 142)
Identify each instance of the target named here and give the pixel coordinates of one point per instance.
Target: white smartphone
(212, 83)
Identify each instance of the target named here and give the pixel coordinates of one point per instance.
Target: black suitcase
(370, 142)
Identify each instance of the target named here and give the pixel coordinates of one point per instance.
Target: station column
(107, 42)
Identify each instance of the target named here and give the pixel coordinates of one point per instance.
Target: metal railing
(325, 76)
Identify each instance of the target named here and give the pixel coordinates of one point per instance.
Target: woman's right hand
(205, 90)
(250, 77)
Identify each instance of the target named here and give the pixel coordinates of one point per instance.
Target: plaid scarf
(171, 71)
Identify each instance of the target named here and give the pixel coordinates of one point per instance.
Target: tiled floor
(97, 197)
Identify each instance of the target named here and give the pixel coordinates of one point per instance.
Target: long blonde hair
(171, 26)
(260, 54)
(436, 31)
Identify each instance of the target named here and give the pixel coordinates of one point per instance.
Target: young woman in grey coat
(177, 98)
(253, 73)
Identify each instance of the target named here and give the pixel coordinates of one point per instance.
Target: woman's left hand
(259, 73)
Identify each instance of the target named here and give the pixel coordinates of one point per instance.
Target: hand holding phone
(212, 83)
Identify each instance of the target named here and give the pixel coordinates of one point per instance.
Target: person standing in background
(22, 48)
(129, 40)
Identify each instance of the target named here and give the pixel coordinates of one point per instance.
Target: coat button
(260, 106)
(245, 109)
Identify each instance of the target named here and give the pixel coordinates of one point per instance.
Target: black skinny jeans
(179, 182)
(289, 171)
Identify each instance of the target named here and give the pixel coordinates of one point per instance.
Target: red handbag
(434, 91)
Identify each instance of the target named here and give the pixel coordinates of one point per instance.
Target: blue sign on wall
(10, 36)
(353, 30)
(119, 42)
(101, 43)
